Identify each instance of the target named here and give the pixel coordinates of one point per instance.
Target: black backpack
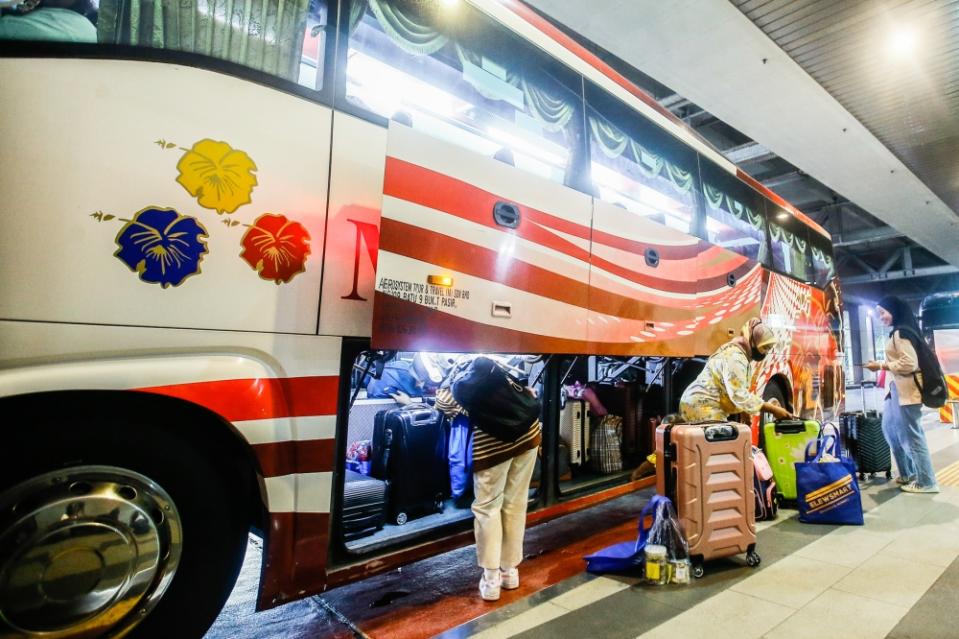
(933, 385)
(497, 403)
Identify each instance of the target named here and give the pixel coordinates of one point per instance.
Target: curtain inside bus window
(285, 38)
(822, 262)
(451, 72)
(789, 245)
(637, 166)
(735, 213)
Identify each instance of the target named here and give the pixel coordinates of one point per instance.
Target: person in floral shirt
(722, 388)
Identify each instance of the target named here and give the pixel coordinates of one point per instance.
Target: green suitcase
(785, 444)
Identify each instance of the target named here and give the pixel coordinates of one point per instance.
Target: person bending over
(722, 388)
(501, 477)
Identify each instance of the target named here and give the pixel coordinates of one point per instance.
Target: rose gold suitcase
(707, 472)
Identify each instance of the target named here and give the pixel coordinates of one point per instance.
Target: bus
(222, 221)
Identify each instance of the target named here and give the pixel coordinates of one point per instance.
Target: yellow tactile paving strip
(949, 476)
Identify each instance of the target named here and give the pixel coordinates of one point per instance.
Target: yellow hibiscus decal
(220, 177)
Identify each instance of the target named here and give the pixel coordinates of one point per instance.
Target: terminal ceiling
(849, 110)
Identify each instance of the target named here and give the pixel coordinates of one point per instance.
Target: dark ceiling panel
(909, 102)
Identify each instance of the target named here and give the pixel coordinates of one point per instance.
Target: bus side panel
(641, 305)
(152, 194)
(730, 293)
(517, 285)
(279, 392)
(356, 195)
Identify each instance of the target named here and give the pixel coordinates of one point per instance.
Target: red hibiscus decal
(276, 247)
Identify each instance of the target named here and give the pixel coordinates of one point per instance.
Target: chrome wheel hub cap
(86, 550)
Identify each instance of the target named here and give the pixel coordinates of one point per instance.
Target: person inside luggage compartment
(722, 388)
(501, 476)
(903, 404)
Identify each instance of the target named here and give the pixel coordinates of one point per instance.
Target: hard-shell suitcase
(784, 442)
(574, 430)
(867, 443)
(707, 472)
(364, 505)
(409, 453)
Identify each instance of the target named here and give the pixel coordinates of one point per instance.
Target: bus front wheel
(112, 527)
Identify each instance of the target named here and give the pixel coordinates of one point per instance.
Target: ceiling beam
(786, 178)
(748, 152)
(945, 269)
(864, 237)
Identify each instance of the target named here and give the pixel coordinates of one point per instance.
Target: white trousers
(500, 509)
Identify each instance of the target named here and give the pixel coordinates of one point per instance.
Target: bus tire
(128, 486)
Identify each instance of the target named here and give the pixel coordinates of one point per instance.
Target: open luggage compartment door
(477, 256)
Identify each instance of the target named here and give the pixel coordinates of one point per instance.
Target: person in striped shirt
(501, 476)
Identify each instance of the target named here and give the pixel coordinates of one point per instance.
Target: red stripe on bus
(555, 34)
(259, 398)
(407, 325)
(290, 457)
(425, 245)
(423, 186)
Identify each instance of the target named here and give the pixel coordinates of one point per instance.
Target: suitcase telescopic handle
(790, 426)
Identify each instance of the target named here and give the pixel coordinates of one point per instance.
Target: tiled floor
(897, 576)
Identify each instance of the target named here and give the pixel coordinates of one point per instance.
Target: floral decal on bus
(164, 247)
(160, 245)
(220, 177)
(276, 247)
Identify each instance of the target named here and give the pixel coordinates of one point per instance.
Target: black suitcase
(409, 453)
(364, 505)
(867, 444)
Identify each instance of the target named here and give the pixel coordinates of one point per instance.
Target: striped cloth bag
(605, 444)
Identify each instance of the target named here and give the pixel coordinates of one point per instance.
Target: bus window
(451, 72)
(735, 215)
(824, 270)
(284, 38)
(637, 165)
(789, 244)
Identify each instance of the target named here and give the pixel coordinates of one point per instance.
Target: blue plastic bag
(827, 491)
(461, 456)
(627, 555)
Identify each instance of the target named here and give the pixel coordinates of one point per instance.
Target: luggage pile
(703, 510)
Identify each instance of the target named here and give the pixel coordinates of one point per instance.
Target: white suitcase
(574, 430)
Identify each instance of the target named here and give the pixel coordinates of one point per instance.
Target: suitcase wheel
(698, 571)
(888, 474)
(401, 519)
(438, 504)
(862, 476)
(753, 559)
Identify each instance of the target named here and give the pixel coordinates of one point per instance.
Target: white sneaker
(509, 578)
(902, 481)
(913, 487)
(489, 588)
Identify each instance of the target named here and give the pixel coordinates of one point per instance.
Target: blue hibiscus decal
(162, 246)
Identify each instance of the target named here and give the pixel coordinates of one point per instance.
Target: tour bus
(224, 223)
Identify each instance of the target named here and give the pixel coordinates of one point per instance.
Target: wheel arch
(190, 422)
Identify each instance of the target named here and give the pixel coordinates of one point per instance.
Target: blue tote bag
(827, 491)
(628, 554)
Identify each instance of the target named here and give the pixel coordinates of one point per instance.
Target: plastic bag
(667, 531)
